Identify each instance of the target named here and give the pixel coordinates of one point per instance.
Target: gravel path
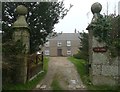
(65, 72)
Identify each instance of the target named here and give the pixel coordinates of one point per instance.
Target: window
(47, 44)
(47, 52)
(68, 43)
(68, 52)
(59, 44)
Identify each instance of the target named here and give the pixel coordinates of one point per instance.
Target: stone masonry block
(96, 69)
(115, 61)
(104, 80)
(96, 43)
(108, 70)
(99, 58)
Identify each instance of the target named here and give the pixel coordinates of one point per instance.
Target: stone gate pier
(21, 32)
(103, 69)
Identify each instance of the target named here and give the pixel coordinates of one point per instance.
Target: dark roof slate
(67, 36)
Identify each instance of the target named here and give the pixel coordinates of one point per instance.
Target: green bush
(81, 56)
(77, 56)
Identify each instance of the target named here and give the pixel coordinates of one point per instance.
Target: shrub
(77, 56)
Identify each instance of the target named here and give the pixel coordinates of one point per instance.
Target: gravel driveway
(65, 72)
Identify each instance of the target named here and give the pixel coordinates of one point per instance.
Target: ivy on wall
(13, 48)
(10, 51)
(106, 30)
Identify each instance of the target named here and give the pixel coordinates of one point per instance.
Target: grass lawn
(31, 84)
(80, 65)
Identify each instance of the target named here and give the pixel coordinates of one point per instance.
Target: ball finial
(22, 10)
(96, 8)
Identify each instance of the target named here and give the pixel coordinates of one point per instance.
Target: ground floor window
(68, 52)
(47, 52)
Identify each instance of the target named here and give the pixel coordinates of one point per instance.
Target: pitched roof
(66, 36)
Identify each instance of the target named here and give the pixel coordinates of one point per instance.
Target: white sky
(80, 14)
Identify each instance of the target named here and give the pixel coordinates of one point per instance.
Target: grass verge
(82, 70)
(31, 84)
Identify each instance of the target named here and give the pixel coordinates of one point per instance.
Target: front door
(59, 52)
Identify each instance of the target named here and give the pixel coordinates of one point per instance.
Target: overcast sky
(80, 14)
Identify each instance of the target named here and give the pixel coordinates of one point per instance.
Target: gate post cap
(21, 21)
(96, 7)
(21, 10)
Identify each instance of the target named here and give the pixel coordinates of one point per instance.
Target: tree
(115, 34)
(41, 17)
(83, 49)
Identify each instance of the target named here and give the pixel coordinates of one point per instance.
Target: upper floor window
(59, 44)
(47, 44)
(68, 43)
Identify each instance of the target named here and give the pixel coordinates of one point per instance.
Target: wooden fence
(34, 65)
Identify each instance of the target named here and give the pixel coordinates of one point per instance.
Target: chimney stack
(75, 30)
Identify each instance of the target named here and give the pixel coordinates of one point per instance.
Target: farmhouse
(64, 44)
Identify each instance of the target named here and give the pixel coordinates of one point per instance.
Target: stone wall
(104, 68)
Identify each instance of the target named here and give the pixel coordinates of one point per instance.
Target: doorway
(59, 52)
